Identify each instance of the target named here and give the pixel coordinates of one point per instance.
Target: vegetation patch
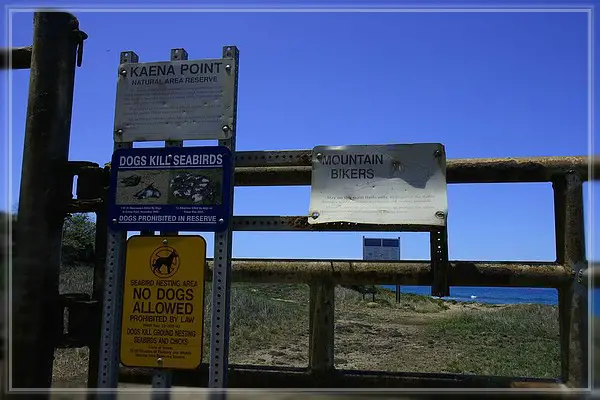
(515, 340)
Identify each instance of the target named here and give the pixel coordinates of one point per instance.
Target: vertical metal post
(398, 287)
(161, 379)
(44, 193)
(112, 304)
(321, 327)
(221, 284)
(570, 252)
(438, 239)
(98, 286)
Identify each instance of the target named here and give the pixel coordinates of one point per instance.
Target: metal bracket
(439, 262)
(92, 185)
(82, 323)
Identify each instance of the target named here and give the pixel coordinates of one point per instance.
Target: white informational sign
(175, 100)
(400, 184)
(381, 249)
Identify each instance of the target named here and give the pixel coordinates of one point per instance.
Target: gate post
(45, 191)
(572, 298)
(321, 326)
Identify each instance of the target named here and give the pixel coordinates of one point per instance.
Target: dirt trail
(368, 336)
(374, 338)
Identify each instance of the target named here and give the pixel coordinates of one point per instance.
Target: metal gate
(45, 199)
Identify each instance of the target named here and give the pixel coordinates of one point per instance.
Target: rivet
(315, 215)
(165, 241)
(225, 128)
(221, 220)
(114, 221)
(228, 67)
(123, 72)
(440, 214)
(437, 153)
(119, 131)
(319, 156)
(159, 360)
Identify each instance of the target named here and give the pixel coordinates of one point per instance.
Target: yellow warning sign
(163, 302)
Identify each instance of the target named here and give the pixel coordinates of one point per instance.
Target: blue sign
(170, 189)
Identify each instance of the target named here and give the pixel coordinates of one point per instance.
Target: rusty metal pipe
(19, 58)
(252, 376)
(295, 170)
(351, 272)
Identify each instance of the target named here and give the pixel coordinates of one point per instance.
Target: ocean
(491, 295)
(500, 295)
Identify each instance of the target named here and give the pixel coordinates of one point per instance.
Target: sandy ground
(372, 339)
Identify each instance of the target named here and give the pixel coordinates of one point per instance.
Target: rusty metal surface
(570, 250)
(300, 223)
(354, 272)
(83, 206)
(287, 170)
(321, 326)
(249, 376)
(43, 195)
(275, 158)
(579, 371)
(438, 240)
(21, 57)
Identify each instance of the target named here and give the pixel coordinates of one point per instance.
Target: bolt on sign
(399, 184)
(170, 189)
(163, 302)
(175, 100)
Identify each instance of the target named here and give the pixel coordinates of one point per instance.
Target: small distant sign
(402, 184)
(163, 302)
(175, 100)
(170, 189)
(381, 249)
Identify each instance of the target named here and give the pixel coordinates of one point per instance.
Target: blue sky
(483, 84)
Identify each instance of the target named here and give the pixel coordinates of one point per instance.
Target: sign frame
(164, 89)
(189, 212)
(368, 257)
(396, 183)
(134, 272)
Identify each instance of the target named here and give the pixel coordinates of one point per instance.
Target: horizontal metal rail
(350, 272)
(293, 168)
(252, 376)
(21, 58)
(300, 223)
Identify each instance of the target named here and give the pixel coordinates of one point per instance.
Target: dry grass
(516, 340)
(259, 318)
(269, 326)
